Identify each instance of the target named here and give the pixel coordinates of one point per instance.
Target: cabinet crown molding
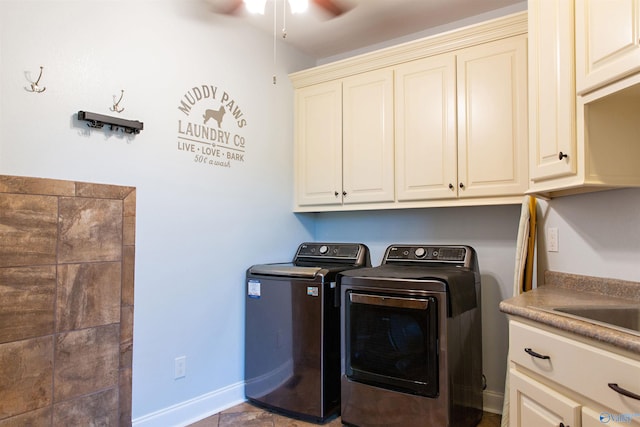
(495, 29)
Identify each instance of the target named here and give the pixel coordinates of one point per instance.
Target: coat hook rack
(34, 85)
(97, 121)
(116, 105)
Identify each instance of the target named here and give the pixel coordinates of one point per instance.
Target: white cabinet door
(552, 97)
(591, 418)
(607, 41)
(368, 163)
(532, 404)
(607, 417)
(425, 142)
(492, 119)
(318, 146)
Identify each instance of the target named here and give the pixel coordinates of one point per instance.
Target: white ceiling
(368, 22)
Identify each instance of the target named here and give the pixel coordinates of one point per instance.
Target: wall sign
(209, 127)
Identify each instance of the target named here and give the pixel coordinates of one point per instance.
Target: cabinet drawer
(577, 366)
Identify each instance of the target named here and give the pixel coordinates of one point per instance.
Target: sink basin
(625, 317)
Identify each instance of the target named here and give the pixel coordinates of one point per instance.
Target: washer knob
(420, 253)
(324, 249)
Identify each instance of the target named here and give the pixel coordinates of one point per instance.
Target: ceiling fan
(234, 7)
(237, 7)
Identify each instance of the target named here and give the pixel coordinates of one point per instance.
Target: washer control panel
(349, 253)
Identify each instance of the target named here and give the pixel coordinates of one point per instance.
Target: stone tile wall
(67, 255)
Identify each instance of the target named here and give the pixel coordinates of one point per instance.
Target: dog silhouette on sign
(214, 114)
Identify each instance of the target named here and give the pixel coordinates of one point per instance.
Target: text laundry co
(203, 132)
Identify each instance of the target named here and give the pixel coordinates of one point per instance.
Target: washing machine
(292, 330)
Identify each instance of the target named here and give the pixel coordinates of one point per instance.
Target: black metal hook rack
(99, 120)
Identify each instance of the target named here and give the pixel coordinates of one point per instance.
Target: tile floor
(247, 415)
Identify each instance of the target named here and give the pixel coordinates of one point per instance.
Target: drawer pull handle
(534, 354)
(615, 387)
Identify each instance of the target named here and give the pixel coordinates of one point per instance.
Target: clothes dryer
(412, 339)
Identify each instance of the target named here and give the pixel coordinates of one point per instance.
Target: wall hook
(34, 86)
(116, 106)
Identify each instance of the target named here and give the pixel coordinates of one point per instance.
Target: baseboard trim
(492, 401)
(196, 409)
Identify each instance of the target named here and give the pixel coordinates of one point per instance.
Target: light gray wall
(598, 234)
(198, 226)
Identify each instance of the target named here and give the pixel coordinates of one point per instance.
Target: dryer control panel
(428, 254)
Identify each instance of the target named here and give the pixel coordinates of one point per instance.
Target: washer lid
(285, 270)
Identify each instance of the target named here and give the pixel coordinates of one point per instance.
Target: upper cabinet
(552, 97)
(426, 142)
(473, 116)
(582, 142)
(318, 160)
(492, 119)
(607, 41)
(461, 123)
(367, 137)
(344, 141)
(437, 122)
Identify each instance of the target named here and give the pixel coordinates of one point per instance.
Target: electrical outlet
(552, 239)
(180, 368)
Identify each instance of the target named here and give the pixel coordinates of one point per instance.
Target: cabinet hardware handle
(535, 354)
(563, 425)
(344, 193)
(451, 186)
(615, 387)
(562, 155)
(461, 185)
(336, 194)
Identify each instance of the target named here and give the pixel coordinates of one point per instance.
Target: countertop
(562, 289)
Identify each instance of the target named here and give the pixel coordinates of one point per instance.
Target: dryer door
(392, 341)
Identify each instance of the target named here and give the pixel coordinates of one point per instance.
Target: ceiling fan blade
(236, 7)
(331, 7)
(228, 7)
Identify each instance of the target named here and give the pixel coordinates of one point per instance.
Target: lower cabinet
(558, 380)
(535, 405)
(591, 418)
